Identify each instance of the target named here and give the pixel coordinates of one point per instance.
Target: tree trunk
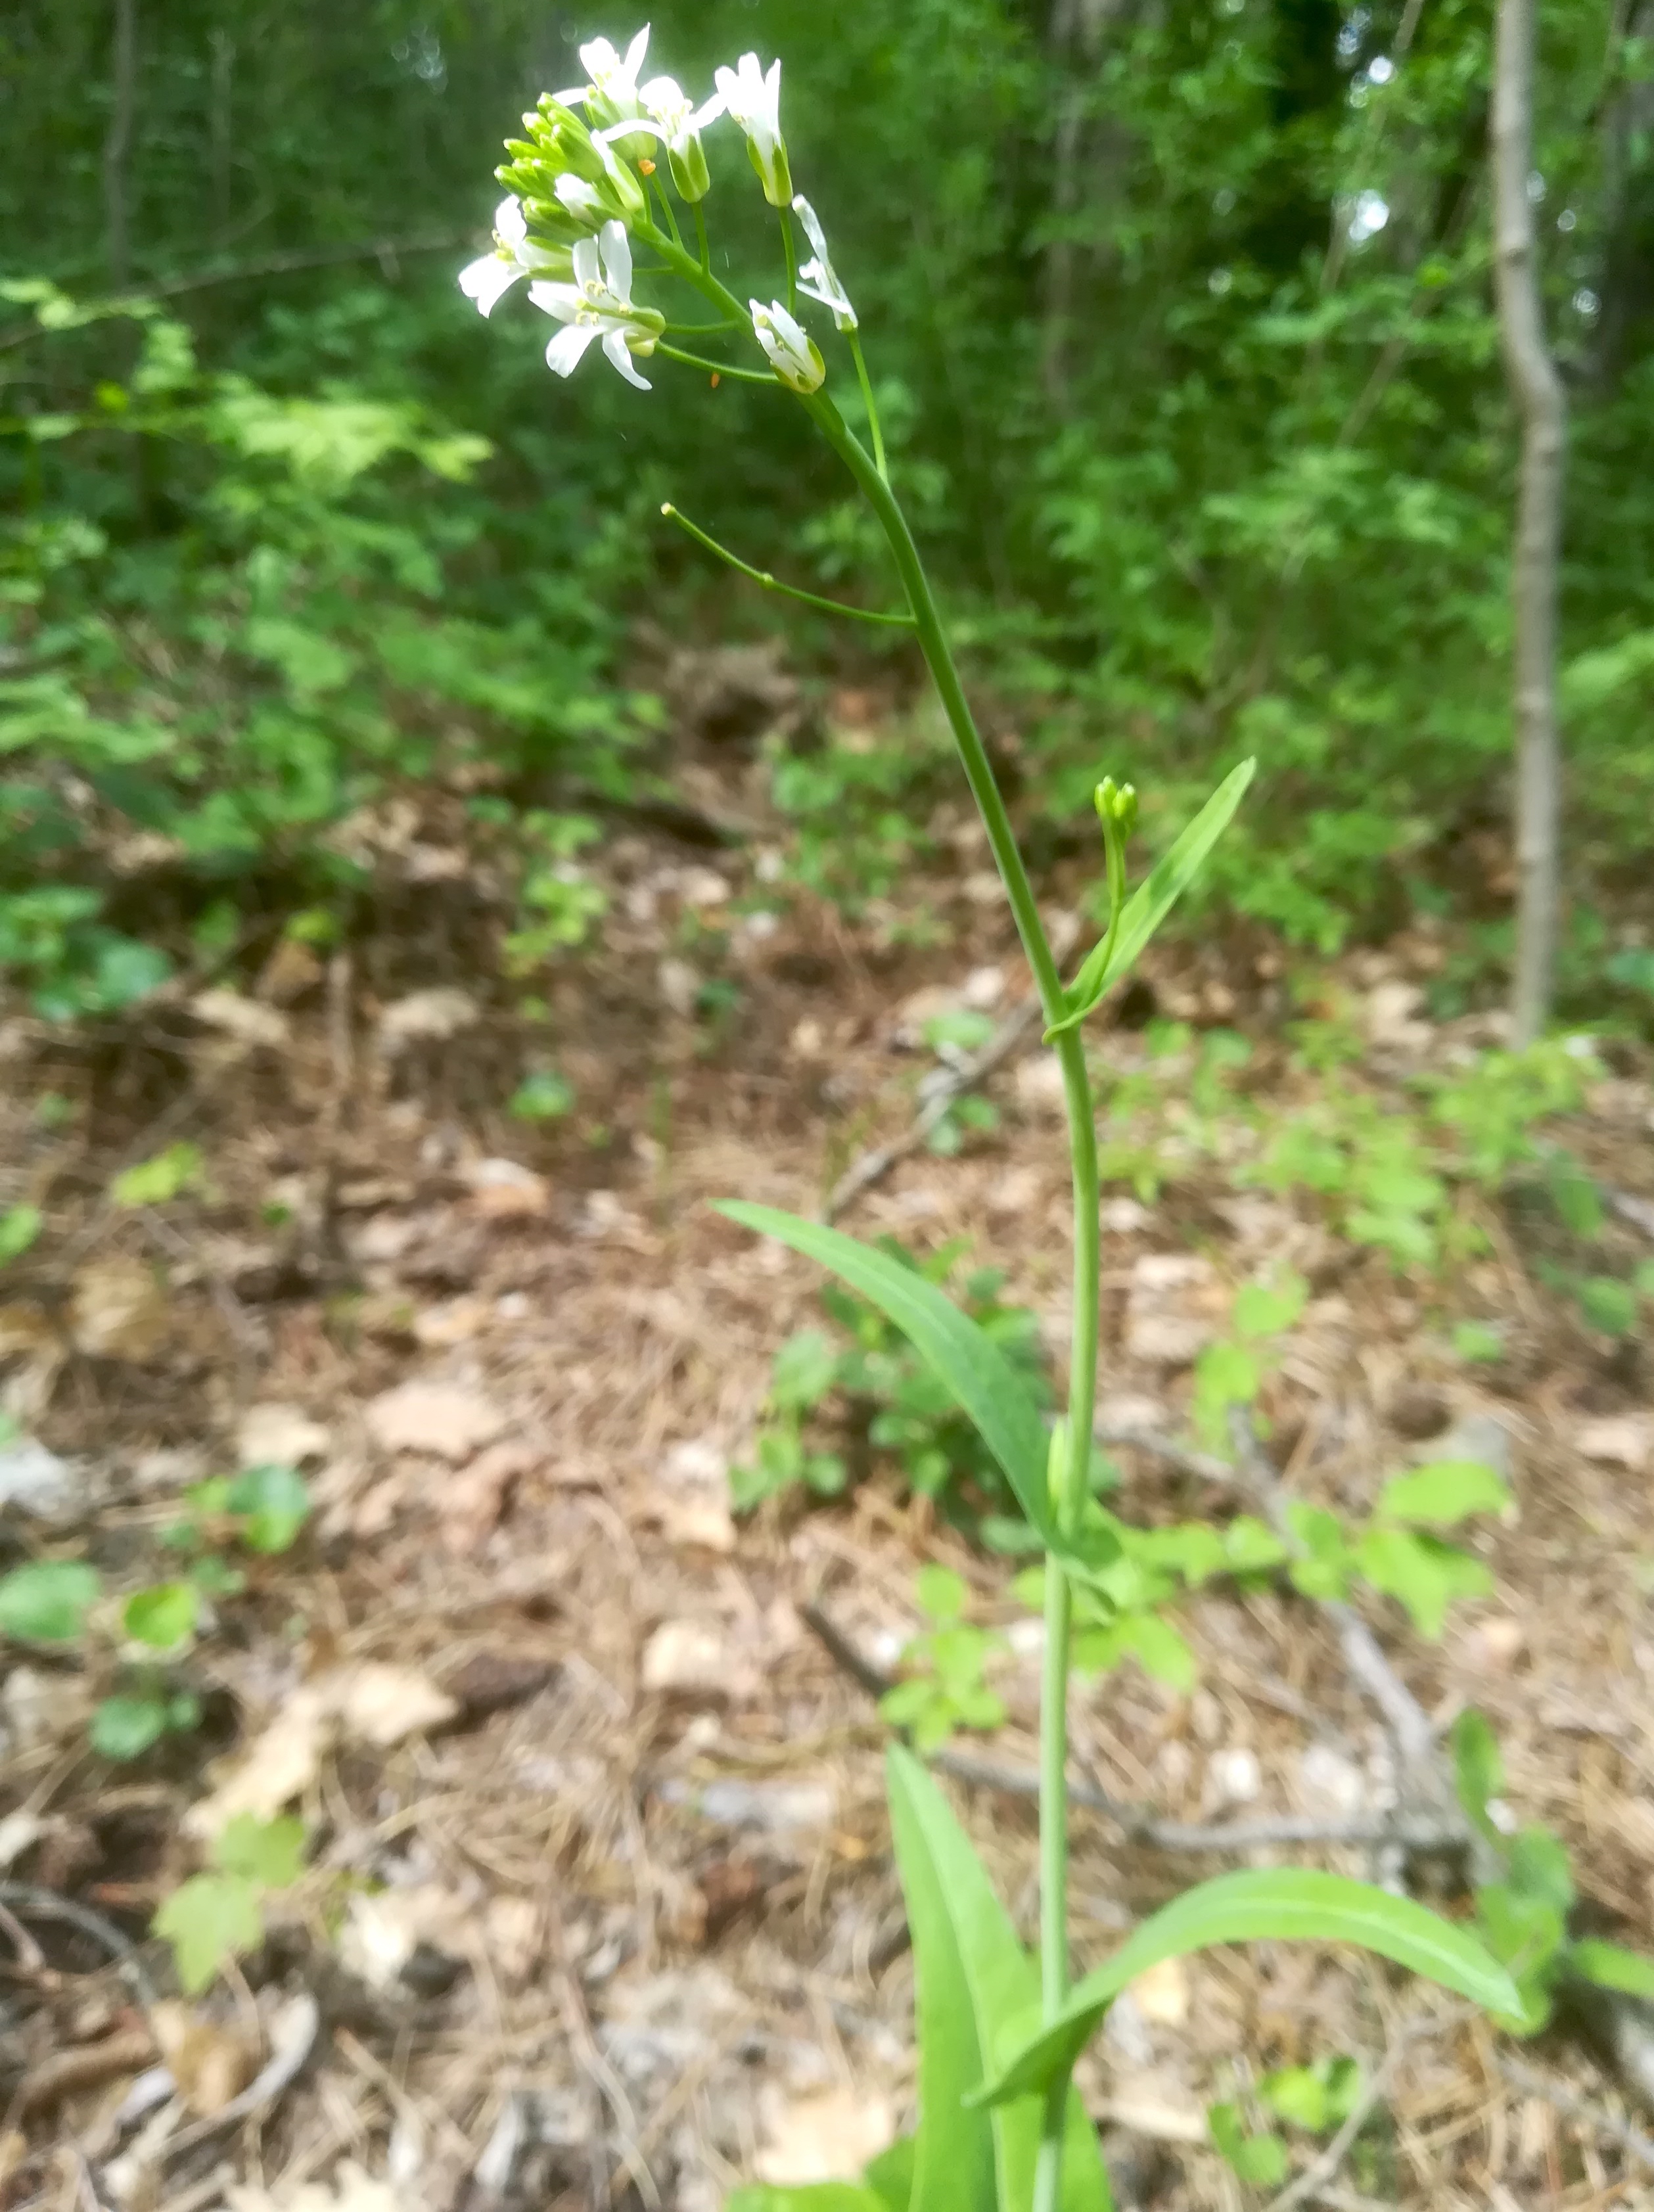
(118, 142)
(1541, 403)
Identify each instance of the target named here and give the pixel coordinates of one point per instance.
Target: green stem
(870, 406)
(772, 584)
(1082, 1381)
(666, 208)
(703, 241)
(788, 249)
(718, 368)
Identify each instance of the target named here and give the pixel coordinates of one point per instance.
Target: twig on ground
(57, 2077)
(1306, 2188)
(293, 2038)
(1203, 1466)
(1139, 1823)
(27, 1897)
(951, 1086)
(1578, 2109)
(1638, 1211)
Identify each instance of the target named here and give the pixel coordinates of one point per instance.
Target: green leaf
(269, 1853)
(804, 1372)
(542, 1098)
(1611, 1967)
(125, 1727)
(47, 1601)
(208, 1919)
(1280, 1904)
(941, 1592)
(19, 1227)
(273, 1504)
(1260, 2159)
(1152, 902)
(1478, 1769)
(957, 1349)
(1264, 1310)
(1607, 1304)
(164, 1616)
(155, 1182)
(1443, 1494)
(1422, 1573)
(889, 2176)
(974, 1978)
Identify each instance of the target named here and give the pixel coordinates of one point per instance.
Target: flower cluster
(579, 183)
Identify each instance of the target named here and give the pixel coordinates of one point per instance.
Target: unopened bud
(1116, 804)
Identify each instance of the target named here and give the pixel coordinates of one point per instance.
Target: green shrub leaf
(47, 1601)
(1443, 1494)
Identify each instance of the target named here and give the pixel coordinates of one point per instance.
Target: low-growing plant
(601, 171)
(945, 1691)
(137, 1643)
(885, 1398)
(218, 1914)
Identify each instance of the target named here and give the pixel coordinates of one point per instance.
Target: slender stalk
(702, 238)
(1082, 1382)
(718, 368)
(772, 584)
(791, 251)
(870, 403)
(660, 193)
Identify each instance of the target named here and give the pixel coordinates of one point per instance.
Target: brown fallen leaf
(426, 1017)
(118, 1310)
(210, 2060)
(278, 1435)
(473, 1499)
(693, 1658)
(504, 1191)
(243, 1021)
(1624, 1440)
(444, 1419)
(371, 1703)
(819, 2137)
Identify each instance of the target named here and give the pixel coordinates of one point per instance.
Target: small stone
(37, 1481)
(692, 1658)
(1233, 1778)
(1624, 1440)
(680, 987)
(1125, 1216)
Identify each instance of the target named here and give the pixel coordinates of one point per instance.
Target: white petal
(714, 108)
(637, 126)
(635, 54)
(617, 261)
(572, 96)
(576, 194)
(614, 345)
(772, 93)
(598, 58)
(563, 301)
(510, 222)
(811, 221)
(588, 269)
(661, 94)
(568, 349)
(486, 281)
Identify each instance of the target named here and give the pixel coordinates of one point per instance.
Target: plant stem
(870, 404)
(702, 238)
(788, 249)
(772, 584)
(718, 368)
(1082, 1381)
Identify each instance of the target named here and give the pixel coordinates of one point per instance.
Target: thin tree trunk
(1542, 407)
(118, 142)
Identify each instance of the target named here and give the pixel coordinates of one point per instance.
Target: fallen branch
(27, 1897)
(1578, 2109)
(1140, 1824)
(951, 1085)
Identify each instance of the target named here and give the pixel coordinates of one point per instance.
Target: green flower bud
(689, 172)
(1116, 805)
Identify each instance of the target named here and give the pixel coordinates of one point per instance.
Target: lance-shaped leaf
(1287, 1904)
(974, 1980)
(1153, 899)
(963, 1355)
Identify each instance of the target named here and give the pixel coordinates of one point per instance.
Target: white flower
(583, 201)
(818, 278)
(488, 281)
(671, 117)
(598, 304)
(611, 78)
(754, 100)
(792, 352)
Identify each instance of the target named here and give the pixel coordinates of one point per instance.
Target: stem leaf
(974, 1979)
(1286, 1903)
(1153, 899)
(963, 1355)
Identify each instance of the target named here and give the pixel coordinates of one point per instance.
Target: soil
(600, 1907)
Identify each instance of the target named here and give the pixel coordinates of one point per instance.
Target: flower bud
(788, 347)
(1116, 805)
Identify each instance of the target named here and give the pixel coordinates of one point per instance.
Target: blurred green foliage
(1180, 318)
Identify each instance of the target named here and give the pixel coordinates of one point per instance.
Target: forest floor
(600, 1906)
